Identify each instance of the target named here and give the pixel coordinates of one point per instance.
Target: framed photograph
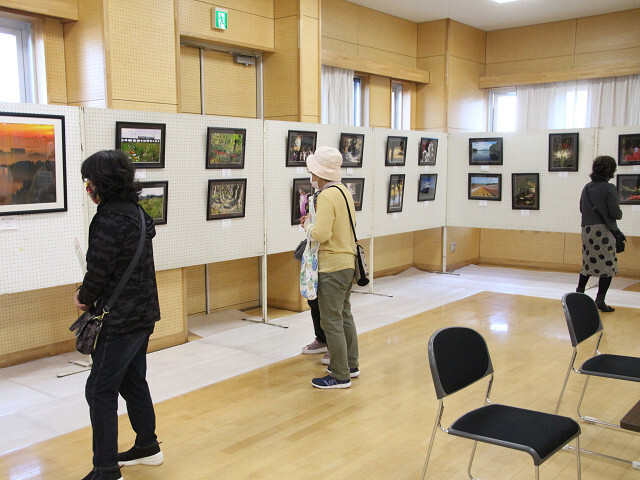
(32, 164)
(629, 189)
(396, 193)
(563, 152)
(525, 191)
(143, 142)
(485, 186)
(225, 147)
(153, 199)
(427, 151)
(302, 195)
(226, 198)
(356, 187)
(396, 151)
(351, 147)
(629, 149)
(485, 151)
(427, 187)
(299, 146)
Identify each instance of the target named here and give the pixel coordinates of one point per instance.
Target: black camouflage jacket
(113, 239)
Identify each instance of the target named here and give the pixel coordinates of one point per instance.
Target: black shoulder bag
(88, 325)
(362, 271)
(617, 234)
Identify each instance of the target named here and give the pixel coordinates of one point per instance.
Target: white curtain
(337, 96)
(600, 102)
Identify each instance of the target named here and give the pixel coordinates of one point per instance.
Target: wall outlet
(453, 247)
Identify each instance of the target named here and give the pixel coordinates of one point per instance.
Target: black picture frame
(525, 191)
(629, 149)
(427, 151)
(427, 187)
(351, 147)
(563, 152)
(144, 143)
(356, 187)
(485, 151)
(300, 144)
(225, 147)
(302, 194)
(628, 189)
(33, 175)
(395, 196)
(396, 153)
(226, 198)
(485, 186)
(154, 200)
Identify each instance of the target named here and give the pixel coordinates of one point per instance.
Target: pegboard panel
(38, 249)
(188, 238)
(281, 235)
(607, 144)
(414, 215)
(523, 152)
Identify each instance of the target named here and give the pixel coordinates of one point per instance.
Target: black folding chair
(583, 321)
(459, 357)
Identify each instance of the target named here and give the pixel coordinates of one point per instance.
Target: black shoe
(603, 307)
(151, 455)
(102, 475)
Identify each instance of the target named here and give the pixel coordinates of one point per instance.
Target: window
(357, 101)
(396, 105)
(502, 110)
(16, 82)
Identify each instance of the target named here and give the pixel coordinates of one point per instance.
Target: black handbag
(300, 250)
(362, 271)
(617, 233)
(88, 325)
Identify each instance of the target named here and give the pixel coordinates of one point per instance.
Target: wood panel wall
(84, 56)
(432, 99)
(597, 41)
(53, 38)
(250, 22)
(65, 9)
(229, 87)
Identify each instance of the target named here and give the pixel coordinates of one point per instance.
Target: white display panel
(523, 152)
(415, 215)
(281, 235)
(608, 145)
(38, 249)
(188, 238)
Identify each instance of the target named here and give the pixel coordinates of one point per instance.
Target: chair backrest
(458, 357)
(581, 313)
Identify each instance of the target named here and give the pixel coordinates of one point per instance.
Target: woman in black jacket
(119, 359)
(598, 243)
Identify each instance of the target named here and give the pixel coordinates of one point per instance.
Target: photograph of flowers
(485, 186)
(563, 152)
(525, 191)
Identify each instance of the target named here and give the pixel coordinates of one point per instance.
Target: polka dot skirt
(598, 251)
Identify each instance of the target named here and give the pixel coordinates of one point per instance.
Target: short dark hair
(603, 168)
(113, 175)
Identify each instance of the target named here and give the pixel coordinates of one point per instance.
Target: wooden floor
(271, 424)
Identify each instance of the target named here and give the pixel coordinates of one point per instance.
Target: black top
(605, 198)
(114, 235)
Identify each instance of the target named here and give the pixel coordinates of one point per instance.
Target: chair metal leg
(587, 418)
(473, 453)
(578, 457)
(433, 435)
(566, 379)
(537, 472)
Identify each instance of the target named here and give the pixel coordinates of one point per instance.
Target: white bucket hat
(325, 163)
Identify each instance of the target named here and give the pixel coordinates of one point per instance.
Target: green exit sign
(220, 18)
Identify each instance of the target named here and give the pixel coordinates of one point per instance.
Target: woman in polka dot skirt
(598, 244)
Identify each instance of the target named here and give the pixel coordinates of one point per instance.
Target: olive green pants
(334, 300)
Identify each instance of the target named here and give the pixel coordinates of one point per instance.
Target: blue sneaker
(330, 382)
(353, 372)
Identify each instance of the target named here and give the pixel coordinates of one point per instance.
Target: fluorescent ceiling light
(503, 1)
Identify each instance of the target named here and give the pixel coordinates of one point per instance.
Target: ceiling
(488, 15)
